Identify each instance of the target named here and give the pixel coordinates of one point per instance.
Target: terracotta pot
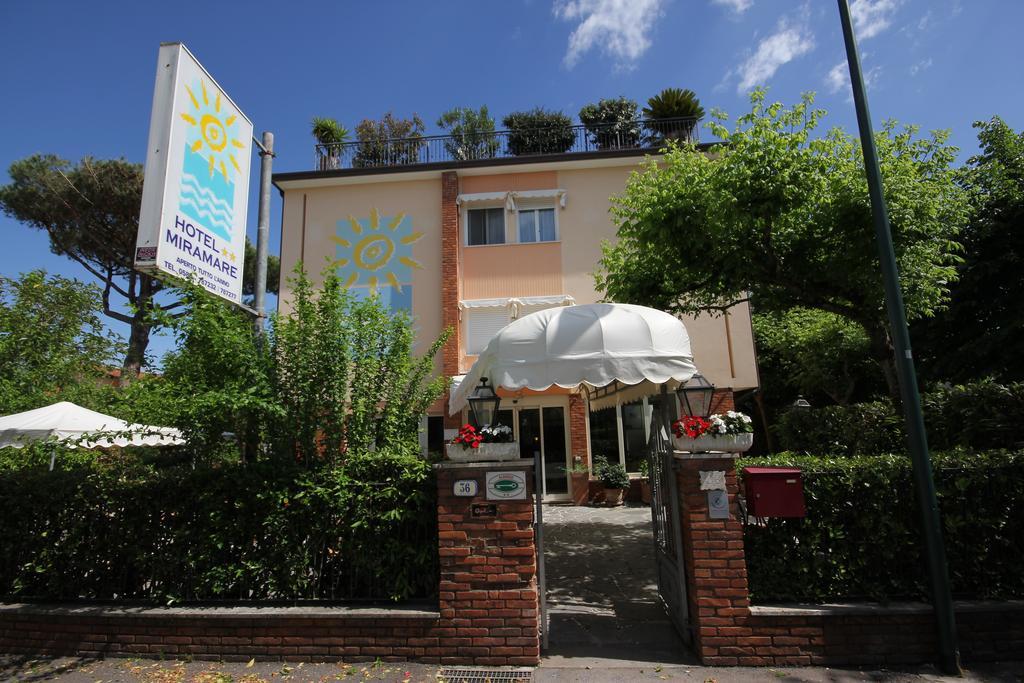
(580, 487)
(645, 491)
(728, 443)
(596, 492)
(613, 497)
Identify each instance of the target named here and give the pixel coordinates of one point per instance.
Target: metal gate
(668, 537)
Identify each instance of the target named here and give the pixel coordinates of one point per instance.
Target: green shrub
(472, 133)
(391, 141)
(858, 429)
(539, 131)
(364, 529)
(612, 123)
(861, 537)
(981, 415)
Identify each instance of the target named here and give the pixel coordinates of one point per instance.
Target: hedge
(861, 538)
(365, 530)
(980, 415)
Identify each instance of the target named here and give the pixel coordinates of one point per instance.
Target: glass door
(542, 435)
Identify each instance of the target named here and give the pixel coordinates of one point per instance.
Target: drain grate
(460, 675)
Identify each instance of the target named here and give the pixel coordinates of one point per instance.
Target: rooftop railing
(646, 134)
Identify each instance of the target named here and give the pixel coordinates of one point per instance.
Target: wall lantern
(483, 405)
(695, 395)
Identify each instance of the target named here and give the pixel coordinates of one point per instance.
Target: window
(537, 225)
(486, 226)
(481, 325)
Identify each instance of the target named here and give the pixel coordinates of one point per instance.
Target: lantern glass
(695, 396)
(483, 405)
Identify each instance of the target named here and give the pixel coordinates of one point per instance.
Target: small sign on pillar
(718, 504)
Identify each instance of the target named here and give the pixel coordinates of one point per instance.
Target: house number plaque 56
(466, 488)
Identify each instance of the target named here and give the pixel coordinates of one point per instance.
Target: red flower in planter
(690, 427)
(468, 437)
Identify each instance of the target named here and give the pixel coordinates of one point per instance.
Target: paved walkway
(602, 588)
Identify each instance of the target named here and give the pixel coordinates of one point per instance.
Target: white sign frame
(195, 197)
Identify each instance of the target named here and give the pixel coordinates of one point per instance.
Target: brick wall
(727, 631)
(487, 611)
(578, 429)
(321, 634)
(450, 281)
(488, 595)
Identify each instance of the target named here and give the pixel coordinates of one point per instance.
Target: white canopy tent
(592, 345)
(73, 426)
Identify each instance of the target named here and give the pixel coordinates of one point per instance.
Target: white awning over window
(592, 345)
(509, 198)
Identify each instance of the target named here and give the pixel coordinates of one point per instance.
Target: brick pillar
(578, 428)
(450, 281)
(723, 400)
(716, 568)
(488, 592)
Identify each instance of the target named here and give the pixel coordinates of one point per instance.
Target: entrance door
(542, 435)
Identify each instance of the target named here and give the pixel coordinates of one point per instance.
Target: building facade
(473, 245)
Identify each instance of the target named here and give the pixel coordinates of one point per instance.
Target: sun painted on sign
(374, 256)
(210, 166)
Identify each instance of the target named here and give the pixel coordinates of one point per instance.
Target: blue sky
(78, 76)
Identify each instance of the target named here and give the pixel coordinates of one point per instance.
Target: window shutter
(481, 325)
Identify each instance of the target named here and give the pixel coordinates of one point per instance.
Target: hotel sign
(196, 191)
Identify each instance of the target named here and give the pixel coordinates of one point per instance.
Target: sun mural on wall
(373, 255)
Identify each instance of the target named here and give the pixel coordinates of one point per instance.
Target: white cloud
(838, 78)
(786, 44)
(619, 28)
(737, 6)
(871, 17)
(920, 66)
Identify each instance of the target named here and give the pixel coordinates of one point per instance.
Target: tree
(90, 210)
(980, 333)
(779, 217)
(472, 133)
(52, 342)
(390, 141)
(814, 353)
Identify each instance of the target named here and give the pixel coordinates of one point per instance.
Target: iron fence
(640, 134)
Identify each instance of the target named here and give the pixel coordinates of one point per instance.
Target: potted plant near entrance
(616, 481)
(645, 482)
(493, 442)
(579, 476)
(731, 432)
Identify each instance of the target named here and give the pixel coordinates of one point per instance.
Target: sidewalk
(71, 670)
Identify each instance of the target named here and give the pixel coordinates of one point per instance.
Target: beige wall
(722, 346)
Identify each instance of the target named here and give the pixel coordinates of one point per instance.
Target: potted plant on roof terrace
(672, 114)
(539, 131)
(329, 135)
(612, 123)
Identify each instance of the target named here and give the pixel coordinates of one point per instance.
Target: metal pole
(266, 151)
(949, 655)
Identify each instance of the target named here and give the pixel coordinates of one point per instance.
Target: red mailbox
(774, 492)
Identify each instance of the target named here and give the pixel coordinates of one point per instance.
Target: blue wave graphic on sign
(208, 199)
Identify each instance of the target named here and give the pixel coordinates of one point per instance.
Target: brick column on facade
(450, 280)
(578, 429)
(723, 400)
(716, 570)
(488, 595)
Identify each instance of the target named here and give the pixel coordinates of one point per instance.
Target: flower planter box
(729, 443)
(485, 453)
